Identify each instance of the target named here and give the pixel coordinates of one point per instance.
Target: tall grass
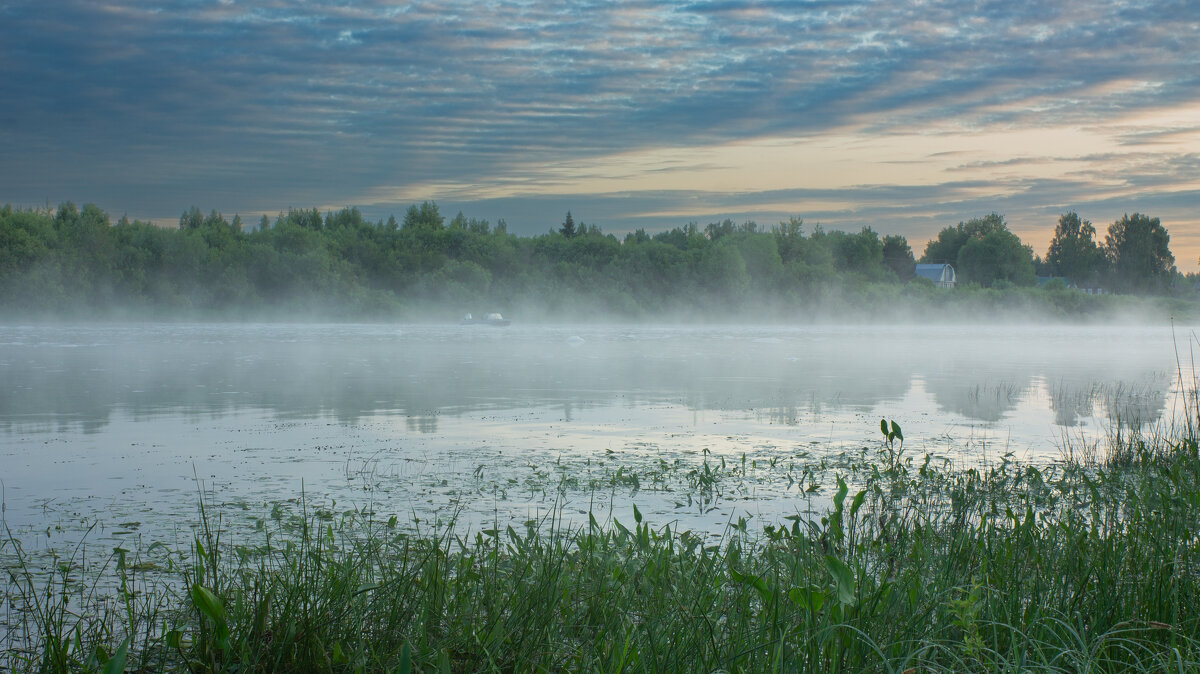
(917, 567)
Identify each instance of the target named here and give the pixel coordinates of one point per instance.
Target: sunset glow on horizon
(902, 117)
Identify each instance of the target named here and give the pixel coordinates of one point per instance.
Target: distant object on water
(575, 340)
(942, 275)
(490, 319)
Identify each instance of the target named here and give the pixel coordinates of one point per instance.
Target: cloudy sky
(902, 116)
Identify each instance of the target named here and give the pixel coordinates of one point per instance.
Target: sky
(906, 117)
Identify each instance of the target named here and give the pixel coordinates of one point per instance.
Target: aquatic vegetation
(909, 563)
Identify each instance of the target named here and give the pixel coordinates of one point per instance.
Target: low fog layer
(78, 377)
(305, 265)
(124, 422)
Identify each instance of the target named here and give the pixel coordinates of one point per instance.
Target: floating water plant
(915, 566)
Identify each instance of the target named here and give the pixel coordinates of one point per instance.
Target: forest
(76, 262)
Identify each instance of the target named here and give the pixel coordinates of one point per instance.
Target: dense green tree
(192, 218)
(984, 251)
(949, 242)
(25, 238)
(74, 259)
(817, 257)
(479, 226)
(87, 246)
(585, 229)
(425, 216)
(1043, 268)
(789, 238)
(684, 238)
(294, 234)
(715, 230)
(303, 218)
(646, 269)
(347, 218)
(997, 256)
(722, 271)
(215, 219)
(861, 252)
(636, 237)
(1073, 251)
(458, 282)
(761, 257)
(898, 256)
(141, 258)
(1138, 248)
(218, 234)
(568, 226)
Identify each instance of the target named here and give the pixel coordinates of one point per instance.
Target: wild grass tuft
(916, 567)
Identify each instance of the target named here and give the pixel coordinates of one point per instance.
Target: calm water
(123, 426)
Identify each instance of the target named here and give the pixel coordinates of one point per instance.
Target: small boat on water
(490, 319)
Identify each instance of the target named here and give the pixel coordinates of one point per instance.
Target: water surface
(123, 425)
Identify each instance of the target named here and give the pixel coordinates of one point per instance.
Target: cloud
(150, 106)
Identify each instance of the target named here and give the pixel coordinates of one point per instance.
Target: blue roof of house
(933, 272)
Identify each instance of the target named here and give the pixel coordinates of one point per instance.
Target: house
(942, 274)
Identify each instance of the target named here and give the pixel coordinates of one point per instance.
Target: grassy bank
(1092, 565)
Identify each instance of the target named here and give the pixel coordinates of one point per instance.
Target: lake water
(122, 426)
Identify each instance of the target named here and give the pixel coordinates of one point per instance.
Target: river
(117, 429)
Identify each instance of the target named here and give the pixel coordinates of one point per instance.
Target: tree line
(73, 259)
(1135, 256)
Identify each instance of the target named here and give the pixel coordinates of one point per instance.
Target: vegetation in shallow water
(916, 566)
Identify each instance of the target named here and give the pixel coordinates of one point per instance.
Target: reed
(917, 566)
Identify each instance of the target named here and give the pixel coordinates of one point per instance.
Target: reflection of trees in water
(1069, 401)
(1134, 404)
(421, 424)
(991, 401)
(976, 381)
(978, 385)
(791, 412)
(350, 375)
(88, 422)
(84, 386)
(787, 415)
(1131, 403)
(987, 401)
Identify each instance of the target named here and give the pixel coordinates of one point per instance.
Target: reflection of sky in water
(119, 421)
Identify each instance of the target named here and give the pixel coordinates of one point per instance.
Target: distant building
(942, 275)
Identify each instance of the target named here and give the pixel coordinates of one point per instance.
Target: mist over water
(125, 423)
